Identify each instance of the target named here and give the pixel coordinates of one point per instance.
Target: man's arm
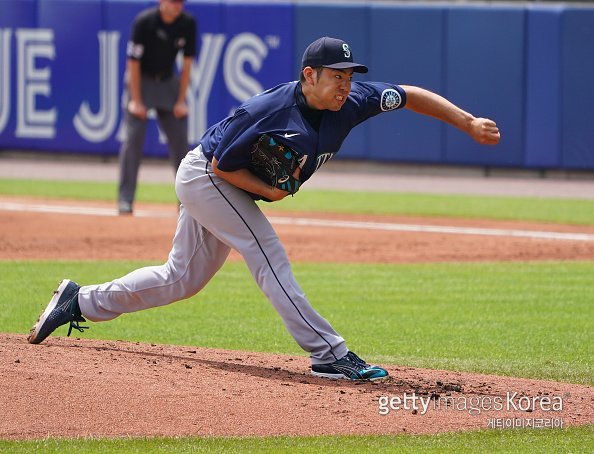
(136, 105)
(246, 180)
(180, 109)
(422, 101)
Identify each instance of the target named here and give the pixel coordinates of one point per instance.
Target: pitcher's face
(329, 88)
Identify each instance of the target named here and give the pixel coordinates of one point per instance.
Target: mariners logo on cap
(390, 99)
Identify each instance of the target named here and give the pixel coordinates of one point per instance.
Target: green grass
(84, 190)
(519, 319)
(568, 211)
(571, 440)
(466, 206)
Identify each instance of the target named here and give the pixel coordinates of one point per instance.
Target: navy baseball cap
(330, 53)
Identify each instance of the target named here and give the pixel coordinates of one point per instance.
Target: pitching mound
(81, 387)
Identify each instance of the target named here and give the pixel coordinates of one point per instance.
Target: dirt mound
(81, 387)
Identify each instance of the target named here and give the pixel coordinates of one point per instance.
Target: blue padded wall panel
(18, 13)
(543, 102)
(273, 24)
(75, 66)
(14, 15)
(577, 88)
(406, 48)
(210, 17)
(350, 23)
(485, 76)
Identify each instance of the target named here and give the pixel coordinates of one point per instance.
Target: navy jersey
(278, 112)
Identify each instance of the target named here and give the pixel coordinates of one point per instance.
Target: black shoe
(62, 308)
(350, 367)
(125, 207)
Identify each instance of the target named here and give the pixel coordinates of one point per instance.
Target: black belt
(158, 77)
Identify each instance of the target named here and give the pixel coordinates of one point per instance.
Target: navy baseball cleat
(350, 367)
(62, 308)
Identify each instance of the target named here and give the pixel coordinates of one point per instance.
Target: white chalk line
(71, 209)
(361, 225)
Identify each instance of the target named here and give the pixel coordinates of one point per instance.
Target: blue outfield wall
(406, 47)
(577, 89)
(486, 46)
(543, 88)
(529, 67)
(62, 64)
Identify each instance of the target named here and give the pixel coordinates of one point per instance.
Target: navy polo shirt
(279, 112)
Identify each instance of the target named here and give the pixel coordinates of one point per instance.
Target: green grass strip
(518, 319)
(567, 440)
(565, 211)
(84, 190)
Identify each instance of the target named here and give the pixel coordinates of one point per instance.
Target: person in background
(159, 34)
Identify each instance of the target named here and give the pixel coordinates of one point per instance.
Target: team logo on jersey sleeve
(390, 99)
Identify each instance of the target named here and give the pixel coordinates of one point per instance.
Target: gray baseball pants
(216, 217)
(161, 96)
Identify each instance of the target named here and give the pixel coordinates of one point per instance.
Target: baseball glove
(275, 164)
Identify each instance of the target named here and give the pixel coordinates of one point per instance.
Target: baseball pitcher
(267, 149)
